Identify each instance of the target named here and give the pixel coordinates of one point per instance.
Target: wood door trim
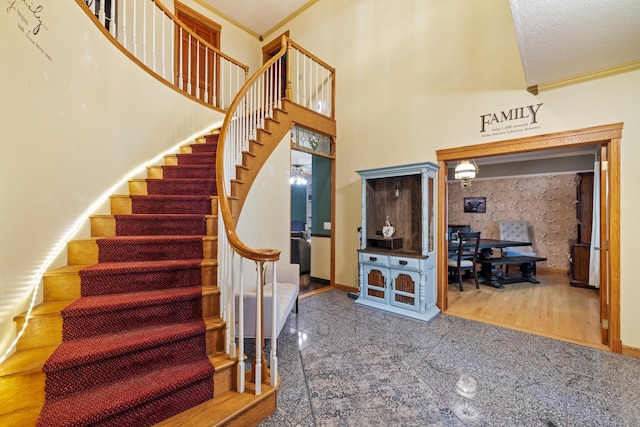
(272, 46)
(213, 26)
(607, 134)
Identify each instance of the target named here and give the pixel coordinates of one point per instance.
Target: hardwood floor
(309, 287)
(551, 308)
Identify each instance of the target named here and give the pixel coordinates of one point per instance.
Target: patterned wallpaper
(547, 202)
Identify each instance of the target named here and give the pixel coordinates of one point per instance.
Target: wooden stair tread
(222, 409)
(46, 309)
(21, 417)
(67, 269)
(25, 361)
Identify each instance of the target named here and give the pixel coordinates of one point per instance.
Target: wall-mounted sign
(505, 122)
(30, 21)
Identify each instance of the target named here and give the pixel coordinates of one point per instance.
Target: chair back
(453, 230)
(468, 244)
(517, 231)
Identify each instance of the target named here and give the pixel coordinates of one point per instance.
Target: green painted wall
(298, 203)
(321, 195)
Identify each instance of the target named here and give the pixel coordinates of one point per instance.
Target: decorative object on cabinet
(398, 273)
(579, 249)
(388, 230)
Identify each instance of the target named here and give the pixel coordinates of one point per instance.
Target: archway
(607, 136)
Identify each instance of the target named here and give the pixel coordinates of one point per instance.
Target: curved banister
(260, 255)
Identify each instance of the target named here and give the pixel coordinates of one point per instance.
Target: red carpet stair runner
(134, 348)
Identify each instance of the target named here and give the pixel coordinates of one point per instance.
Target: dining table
(490, 275)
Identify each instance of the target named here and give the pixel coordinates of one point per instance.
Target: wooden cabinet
(398, 272)
(579, 249)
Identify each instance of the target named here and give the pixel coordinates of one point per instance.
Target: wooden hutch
(397, 273)
(580, 249)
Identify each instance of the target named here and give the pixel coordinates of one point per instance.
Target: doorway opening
(607, 139)
(311, 213)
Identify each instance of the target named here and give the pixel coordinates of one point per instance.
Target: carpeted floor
(343, 365)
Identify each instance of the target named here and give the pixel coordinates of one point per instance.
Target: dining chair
(517, 231)
(465, 258)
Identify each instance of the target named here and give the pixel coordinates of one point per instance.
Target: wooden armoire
(579, 248)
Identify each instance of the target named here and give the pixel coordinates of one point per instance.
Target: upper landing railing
(152, 35)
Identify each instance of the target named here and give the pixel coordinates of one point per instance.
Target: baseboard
(319, 280)
(631, 351)
(554, 271)
(345, 287)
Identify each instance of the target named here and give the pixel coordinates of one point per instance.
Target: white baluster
(274, 324)
(206, 74)
(144, 32)
(258, 349)
(162, 63)
(153, 43)
(197, 70)
(124, 23)
(101, 14)
(241, 368)
(214, 86)
(135, 26)
(112, 21)
(181, 83)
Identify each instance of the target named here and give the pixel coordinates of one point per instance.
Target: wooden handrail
(312, 56)
(259, 255)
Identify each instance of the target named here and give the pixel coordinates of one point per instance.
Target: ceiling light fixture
(296, 176)
(465, 171)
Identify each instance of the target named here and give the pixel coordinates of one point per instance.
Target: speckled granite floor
(344, 365)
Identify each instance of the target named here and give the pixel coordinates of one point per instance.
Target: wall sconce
(296, 176)
(465, 171)
(396, 194)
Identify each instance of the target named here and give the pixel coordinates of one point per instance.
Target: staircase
(129, 332)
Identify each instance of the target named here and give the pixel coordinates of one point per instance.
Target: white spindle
(206, 74)
(124, 23)
(101, 14)
(214, 89)
(112, 20)
(258, 358)
(180, 46)
(196, 72)
(231, 295)
(144, 32)
(134, 23)
(153, 37)
(241, 368)
(274, 325)
(162, 63)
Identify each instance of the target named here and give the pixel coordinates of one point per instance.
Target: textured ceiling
(560, 39)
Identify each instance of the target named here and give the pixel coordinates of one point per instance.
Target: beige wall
(415, 77)
(265, 221)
